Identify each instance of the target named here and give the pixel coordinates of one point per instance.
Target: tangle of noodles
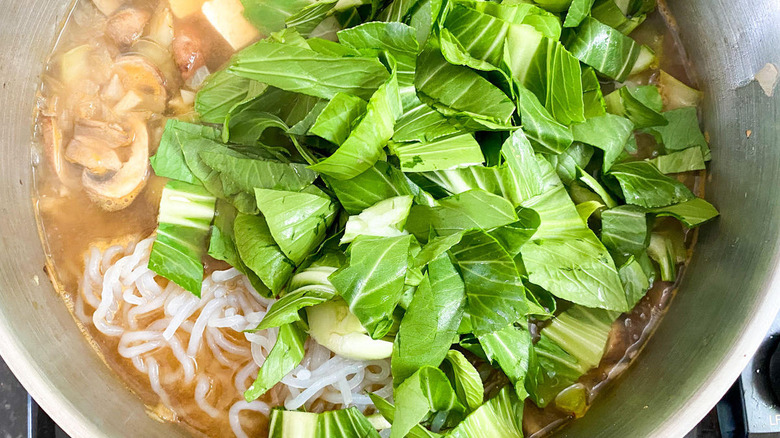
(194, 351)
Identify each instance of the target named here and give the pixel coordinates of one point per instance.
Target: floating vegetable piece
(227, 18)
(334, 327)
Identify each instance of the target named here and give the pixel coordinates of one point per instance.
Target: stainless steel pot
(729, 297)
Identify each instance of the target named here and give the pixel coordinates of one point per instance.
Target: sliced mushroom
(93, 155)
(139, 76)
(160, 56)
(188, 50)
(94, 145)
(54, 149)
(109, 133)
(126, 25)
(119, 190)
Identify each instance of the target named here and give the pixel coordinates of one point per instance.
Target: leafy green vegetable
(588, 208)
(641, 105)
(364, 145)
(578, 11)
(686, 160)
(222, 245)
(676, 94)
(513, 236)
(189, 141)
(589, 181)
(380, 182)
(170, 161)
(496, 180)
(422, 123)
(388, 412)
(260, 253)
(270, 15)
(397, 39)
(609, 133)
(308, 18)
(604, 48)
(512, 350)
(221, 92)
(568, 165)
(643, 185)
(500, 417)
(286, 354)
(373, 281)
(635, 281)
(427, 390)
(624, 230)
(460, 93)
(471, 209)
(441, 154)
(566, 258)
(691, 213)
(436, 247)
(336, 121)
(458, 137)
(240, 175)
(615, 13)
(332, 325)
(343, 423)
(306, 289)
(495, 295)
(302, 70)
(274, 108)
(386, 218)
(465, 379)
(569, 347)
(297, 220)
(592, 96)
(550, 72)
(542, 129)
(682, 132)
(186, 212)
(667, 248)
(398, 10)
(431, 320)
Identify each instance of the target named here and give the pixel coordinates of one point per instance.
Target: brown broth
(71, 223)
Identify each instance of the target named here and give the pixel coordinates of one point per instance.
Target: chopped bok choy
(436, 184)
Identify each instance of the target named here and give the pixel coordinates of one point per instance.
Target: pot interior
(726, 302)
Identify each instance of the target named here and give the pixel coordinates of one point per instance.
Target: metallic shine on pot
(728, 299)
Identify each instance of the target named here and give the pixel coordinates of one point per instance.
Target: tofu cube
(227, 17)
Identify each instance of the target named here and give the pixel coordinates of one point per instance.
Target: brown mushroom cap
(127, 25)
(120, 189)
(138, 75)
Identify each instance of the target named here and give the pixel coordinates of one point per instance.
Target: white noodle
(162, 330)
(154, 380)
(238, 407)
(201, 391)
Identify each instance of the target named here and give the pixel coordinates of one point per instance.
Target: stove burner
(774, 373)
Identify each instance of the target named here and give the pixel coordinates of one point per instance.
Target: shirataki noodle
(166, 332)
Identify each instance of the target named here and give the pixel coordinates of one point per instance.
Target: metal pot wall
(728, 298)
